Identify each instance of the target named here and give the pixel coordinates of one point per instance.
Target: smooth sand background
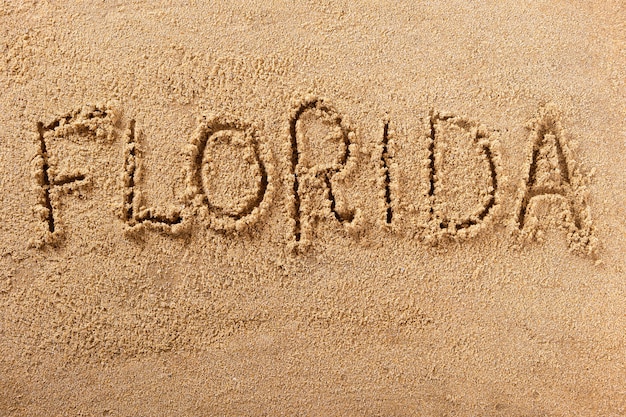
(372, 321)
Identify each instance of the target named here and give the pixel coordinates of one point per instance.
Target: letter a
(552, 177)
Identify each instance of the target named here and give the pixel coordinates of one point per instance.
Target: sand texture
(312, 208)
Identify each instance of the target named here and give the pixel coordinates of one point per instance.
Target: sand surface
(312, 208)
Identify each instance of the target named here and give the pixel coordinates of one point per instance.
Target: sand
(312, 208)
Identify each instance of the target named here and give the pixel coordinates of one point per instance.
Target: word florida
(441, 182)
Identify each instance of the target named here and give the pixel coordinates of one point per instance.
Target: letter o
(228, 179)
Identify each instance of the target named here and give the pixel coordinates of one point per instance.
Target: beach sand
(313, 208)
